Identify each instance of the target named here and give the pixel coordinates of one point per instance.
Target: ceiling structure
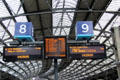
(56, 18)
(6, 76)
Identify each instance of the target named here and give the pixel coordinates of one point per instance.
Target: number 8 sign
(84, 29)
(23, 30)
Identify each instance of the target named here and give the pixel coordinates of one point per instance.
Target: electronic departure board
(22, 53)
(87, 51)
(55, 47)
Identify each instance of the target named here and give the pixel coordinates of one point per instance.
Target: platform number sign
(84, 29)
(23, 28)
(24, 31)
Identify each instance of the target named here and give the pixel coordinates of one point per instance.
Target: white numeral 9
(22, 28)
(85, 28)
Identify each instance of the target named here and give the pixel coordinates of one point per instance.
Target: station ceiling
(56, 18)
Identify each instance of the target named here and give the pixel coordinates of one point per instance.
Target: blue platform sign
(84, 29)
(24, 31)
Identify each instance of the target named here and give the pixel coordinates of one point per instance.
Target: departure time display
(55, 47)
(22, 53)
(87, 51)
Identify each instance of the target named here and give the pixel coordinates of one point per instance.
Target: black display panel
(90, 51)
(55, 47)
(22, 53)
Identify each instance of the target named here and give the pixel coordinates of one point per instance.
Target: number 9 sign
(84, 29)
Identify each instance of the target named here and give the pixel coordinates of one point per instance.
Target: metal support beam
(61, 20)
(16, 72)
(30, 71)
(22, 69)
(49, 4)
(116, 40)
(3, 42)
(0, 76)
(56, 69)
(9, 10)
(42, 42)
(74, 18)
(6, 30)
(46, 65)
(40, 19)
(33, 70)
(66, 11)
(102, 30)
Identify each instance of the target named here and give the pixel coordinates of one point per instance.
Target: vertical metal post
(56, 69)
(0, 76)
(116, 40)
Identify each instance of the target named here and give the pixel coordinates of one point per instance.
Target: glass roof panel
(14, 5)
(21, 19)
(114, 5)
(3, 10)
(10, 26)
(107, 16)
(5, 69)
(1, 31)
(62, 19)
(16, 68)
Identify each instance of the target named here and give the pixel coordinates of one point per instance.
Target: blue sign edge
(27, 36)
(87, 36)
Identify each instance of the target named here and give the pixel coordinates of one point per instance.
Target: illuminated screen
(22, 53)
(87, 52)
(55, 47)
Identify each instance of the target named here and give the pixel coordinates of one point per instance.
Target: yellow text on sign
(23, 57)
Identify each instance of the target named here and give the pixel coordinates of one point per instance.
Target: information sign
(84, 29)
(55, 47)
(22, 53)
(87, 51)
(24, 31)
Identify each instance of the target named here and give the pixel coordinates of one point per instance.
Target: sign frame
(79, 56)
(84, 30)
(24, 31)
(13, 58)
(55, 57)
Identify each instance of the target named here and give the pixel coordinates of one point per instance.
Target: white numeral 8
(85, 28)
(22, 28)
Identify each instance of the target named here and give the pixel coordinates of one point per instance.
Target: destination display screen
(87, 51)
(22, 53)
(55, 47)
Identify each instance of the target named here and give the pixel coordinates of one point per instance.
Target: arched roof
(55, 18)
